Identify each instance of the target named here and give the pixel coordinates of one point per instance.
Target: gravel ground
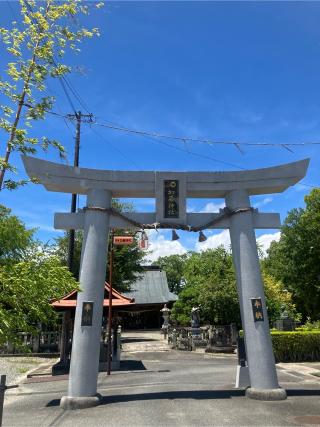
(16, 368)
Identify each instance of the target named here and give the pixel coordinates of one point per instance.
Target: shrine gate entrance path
(167, 388)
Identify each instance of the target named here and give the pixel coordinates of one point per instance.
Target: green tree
(60, 249)
(173, 265)
(37, 51)
(278, 299)
(211, 284)
(294, 260)
(26, 289)
(15, 239)
(29, 277)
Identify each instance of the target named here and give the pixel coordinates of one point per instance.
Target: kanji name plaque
(87, 313)
(257, 309)
(171, 198)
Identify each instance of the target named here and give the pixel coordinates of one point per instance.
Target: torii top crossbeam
(170, 202)
(67, 179)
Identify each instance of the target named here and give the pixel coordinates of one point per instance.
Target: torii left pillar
(82, 391)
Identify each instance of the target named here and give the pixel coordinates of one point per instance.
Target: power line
(203, 141)
(73, 108)
(189, 139)
(186, 150)
(65, 116)
(116, 149)
(76, 95)
(51, 92)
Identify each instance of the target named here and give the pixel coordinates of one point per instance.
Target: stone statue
(165, 314)
(195, 317)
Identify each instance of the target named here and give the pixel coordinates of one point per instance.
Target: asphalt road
(168, 388)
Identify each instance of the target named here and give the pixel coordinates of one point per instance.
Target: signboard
(257, 309)
(122, 240)
(171, 198)
(87, 313)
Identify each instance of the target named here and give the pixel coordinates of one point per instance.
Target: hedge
(296, 346)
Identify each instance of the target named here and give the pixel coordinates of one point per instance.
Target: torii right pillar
(260, 357)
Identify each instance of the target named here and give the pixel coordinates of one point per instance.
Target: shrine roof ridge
(68, 179)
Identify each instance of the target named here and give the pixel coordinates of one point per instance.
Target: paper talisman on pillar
(257, 309)
(171, 197)
(87, 313)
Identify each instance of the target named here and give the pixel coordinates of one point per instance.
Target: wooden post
(2, 390)
(64, 337)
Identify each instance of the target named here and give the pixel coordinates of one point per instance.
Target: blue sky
(240, 71)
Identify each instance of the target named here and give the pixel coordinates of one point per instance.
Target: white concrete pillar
(84, 366)
(262, 370)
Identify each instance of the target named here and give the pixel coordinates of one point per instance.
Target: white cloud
(264, 241)
(212, 207)
(263, 202)
(223, 239)
(159, 247)
(220, 239)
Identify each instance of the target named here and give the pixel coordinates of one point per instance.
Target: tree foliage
(210, 283)
(26, 289)
(173, 265)
(29, 278)
(278, 299)
(295, 258)
(15, 239)
(37, 45)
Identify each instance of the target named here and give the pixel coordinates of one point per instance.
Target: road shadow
(166, 395)
(186, 394)
(303, 392)
(127, 340)
(172, 395)
(132, 365)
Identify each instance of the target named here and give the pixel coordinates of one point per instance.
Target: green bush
(296, 346)
(310, 326)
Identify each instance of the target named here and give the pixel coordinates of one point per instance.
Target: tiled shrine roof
(151, 287)
(70, 300)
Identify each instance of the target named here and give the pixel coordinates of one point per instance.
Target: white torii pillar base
(261, 363)
(82, 391)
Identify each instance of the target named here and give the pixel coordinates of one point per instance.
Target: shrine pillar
(82, 391)
(261, 362)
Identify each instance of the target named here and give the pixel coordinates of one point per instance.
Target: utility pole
(87, 118)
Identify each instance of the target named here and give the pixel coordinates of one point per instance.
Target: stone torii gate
(170, 190)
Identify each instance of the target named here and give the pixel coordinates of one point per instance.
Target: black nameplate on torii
(171, 198)
(257, 309)
(87, 313)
